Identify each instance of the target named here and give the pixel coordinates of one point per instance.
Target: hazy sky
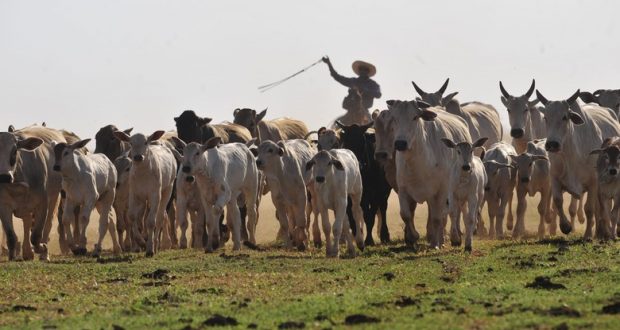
(84, 64)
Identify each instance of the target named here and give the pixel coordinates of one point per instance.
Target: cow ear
(121, 136)
(128, 131)
(80, 144)
(11, 129)
(155, 136)
(212, 143)
(448, 142)
(367, 126)
(337, 164)
(281, 151)
(254, 151)
(428, 115)
(453, 107)
(309, 164)
(575, 118)
(596, 151)
(177, 155)
(203, 121)
(448, 98)
(321, 130)
(422, 105)
(513, 158)
(178, 143)
(375, 114)
(484, 150)
(339, 124)
(235, 112)
(532, 103)
(176, 119)
(587, 97)
(390, 103)
(30, 143)
(261, 115)
(480, 142)
(252, 142)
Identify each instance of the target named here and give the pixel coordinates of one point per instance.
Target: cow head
(384, 135)
(493, 168)
(559, 120)
(65, 154)
(608, 164)
(518, 108)
(190, 126)
(323, 165)
(139, 144)
(436, 98)
(609, 98)
(407, 118)
(193, 158)
(269, 154)
(328, 139)
(465, 151)
(11, 145)
(353, 137)
(525, 161)
(106, 143)
(249, 119)
(123, 166)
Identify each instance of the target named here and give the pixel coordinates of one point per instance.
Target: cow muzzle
(613, 172)
(6, 178)
(552, 146)
(190, 179)
(138, 158)
(259, 163)
(186, 169)
(320, 179)
(525, 180)
(381, 155)
(517, 133)
(466, 167)
(400, 145)
(56, 168)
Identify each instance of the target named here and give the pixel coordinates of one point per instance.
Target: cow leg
(615, 217)
(340, 217)
(501, 213)
(602, 215)
(455, 218)
(60, 228)
(558, 201)
(572, 210)
(492, 208)
(348, 235)
(11, 238)
(67, 220)
(370, 213)
(438, 218)
(251, 213)
(358, 216)
(407, 213)
(327, 231)
(135, 215)
(172, 223)
(470, 221)
(104, 208)
(519, 230)
(385, 232)
(509, 218)
(213, 228)
(181, 217)
(40, 216)
(233, 219)
(151, 224)
(27, 252)
(84, 219)
(350, 218)
(550, 214)
(589, 209)
(285, 225)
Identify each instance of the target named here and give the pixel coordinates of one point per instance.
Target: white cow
(151, 180)
(573, 132)
(533, 176)
(336, 177)
(121, 201)
(608, 169)
(89, 181)
(467, 181)
(423, 164)
(223, 173)
(282, 164)
(500, 185)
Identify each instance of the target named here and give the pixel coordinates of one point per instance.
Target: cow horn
(503, 90)
(541, 98)
(531, 90)
(597, 92)
(418, 89)
(573, 98)
(444, 86)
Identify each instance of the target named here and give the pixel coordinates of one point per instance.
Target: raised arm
(348, 82)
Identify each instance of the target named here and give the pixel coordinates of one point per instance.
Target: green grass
(401, 288)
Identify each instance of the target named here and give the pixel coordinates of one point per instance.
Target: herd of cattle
(431, 150)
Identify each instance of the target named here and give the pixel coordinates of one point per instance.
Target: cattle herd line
(431, 150)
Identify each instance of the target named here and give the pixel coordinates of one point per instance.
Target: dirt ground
(268, 226)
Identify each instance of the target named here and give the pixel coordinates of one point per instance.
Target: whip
(267, 87)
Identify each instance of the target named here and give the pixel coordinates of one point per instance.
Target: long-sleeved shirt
(369, 89)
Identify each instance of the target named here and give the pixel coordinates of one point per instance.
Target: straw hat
(359, 64)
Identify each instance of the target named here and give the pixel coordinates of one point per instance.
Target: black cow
(107, 144)
(376, 189)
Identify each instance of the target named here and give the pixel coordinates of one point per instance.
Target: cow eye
(525, 110)
(270, 150)
(66, 153)
(197, 153)
(127, 170)
(530, 165)
(508, 110)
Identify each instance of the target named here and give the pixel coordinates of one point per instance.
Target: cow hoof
(468, 249)
(301, 247)
(566, 227)
(385, 239)
(149, 254)
(318, 244)
(369, 241)
(455, 243)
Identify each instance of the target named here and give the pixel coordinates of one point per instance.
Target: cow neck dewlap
(425, 134)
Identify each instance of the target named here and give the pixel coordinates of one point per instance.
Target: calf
(337, 177)
(376, 189)
(384, 147)
(282, 164)
(223, 173)
(89, 181)
(151, 180)
(608, 170)
(500, 185)
(533, 176)
(121, 202)
(327, 138)
(467, 181)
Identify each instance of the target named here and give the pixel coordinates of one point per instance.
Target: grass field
(561, 283)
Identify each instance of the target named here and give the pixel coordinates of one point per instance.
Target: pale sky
(80, 65)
